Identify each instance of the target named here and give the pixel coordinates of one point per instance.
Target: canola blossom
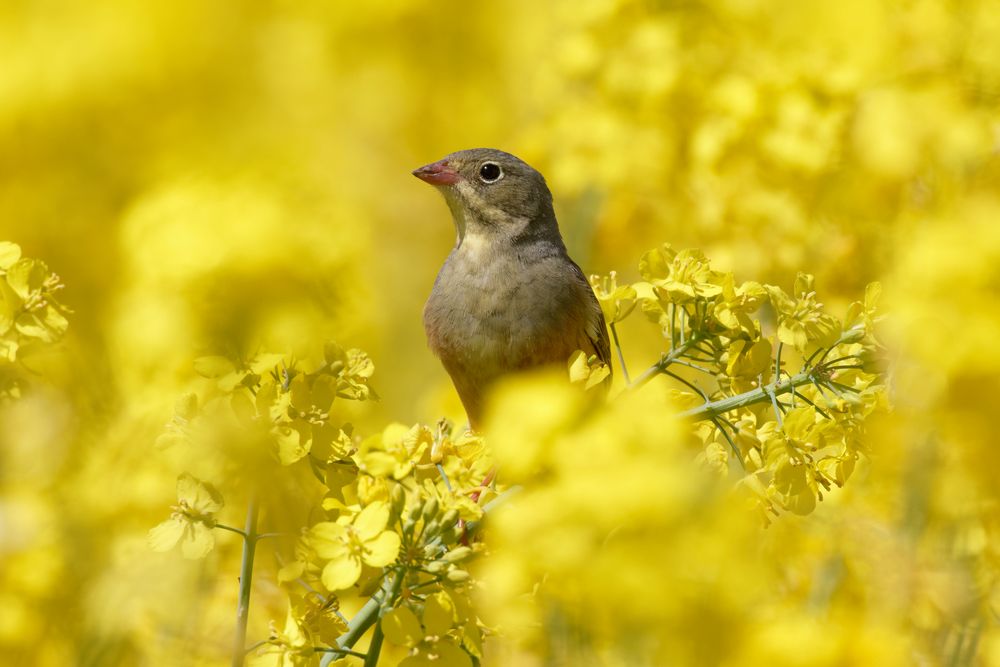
(789, 210)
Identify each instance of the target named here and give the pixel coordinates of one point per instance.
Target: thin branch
(834, 384)
(253, 647)
(265, 535)
(375, 647)
(246, 579)
(827, 367)
(813, 355)
(690, 384)
(662, 364)
(621, 357)
(444, 476)
(728, 423)
(777, 409)
(818, 409)
(839, 359)
(695, 366)
(673, 325)
(231, 530)
(732, 445)
(339, 651)
(752, 397)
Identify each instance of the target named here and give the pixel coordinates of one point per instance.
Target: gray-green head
(493, 194)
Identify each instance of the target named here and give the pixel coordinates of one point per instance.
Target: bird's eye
(490, 172)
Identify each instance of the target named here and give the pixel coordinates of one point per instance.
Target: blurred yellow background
(211, 176)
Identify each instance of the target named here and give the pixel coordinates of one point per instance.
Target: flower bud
(457, 576)
(397, 500)
(457, 554)
(430, 508)
(450, 518)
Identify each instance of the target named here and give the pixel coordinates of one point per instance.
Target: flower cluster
(31, 316)
(394, 522)
(791, 417)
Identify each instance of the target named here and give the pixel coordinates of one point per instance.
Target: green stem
(752, 397)
(762, 394)
(222, 526)
(246, 579)
(663, 363)
(621, 357)
(369, 613)
(375, 647)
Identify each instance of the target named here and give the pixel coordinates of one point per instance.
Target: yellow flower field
(213, 260)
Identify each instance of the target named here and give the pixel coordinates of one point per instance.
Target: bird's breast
(492, 312)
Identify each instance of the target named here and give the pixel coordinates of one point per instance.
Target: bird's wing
(597, 328)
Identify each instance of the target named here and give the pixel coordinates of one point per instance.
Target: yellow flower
(617, 301)
(192, 520)
(347, 546)
(395, 451)
(586, 370)
(429, 638)
(801, 320)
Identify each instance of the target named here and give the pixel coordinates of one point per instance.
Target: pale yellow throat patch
(474, 246)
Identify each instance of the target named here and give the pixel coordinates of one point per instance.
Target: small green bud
(414, 513)
(435, 566)
(450, 534)
(457, 576)
(457, 554)
(430, 508)
(450, 518)
(397, 500)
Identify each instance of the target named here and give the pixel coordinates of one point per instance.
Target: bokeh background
(210, 176)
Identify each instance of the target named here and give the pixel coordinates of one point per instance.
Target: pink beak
(437, 173)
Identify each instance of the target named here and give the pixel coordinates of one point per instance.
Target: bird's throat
(459, 216)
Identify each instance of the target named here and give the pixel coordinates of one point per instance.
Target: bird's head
(492, 194)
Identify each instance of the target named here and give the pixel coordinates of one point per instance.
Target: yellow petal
(439, 613)
(327, 538)
(449, 655)
(341, 573)
(290, 446)
(382, 550)
(372, 520)
(9, 253)
(164, 536)
(578, 368)
(198, 540)
(200, 496)
(401, 627)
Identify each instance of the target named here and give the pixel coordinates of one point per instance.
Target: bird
(508, 298)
